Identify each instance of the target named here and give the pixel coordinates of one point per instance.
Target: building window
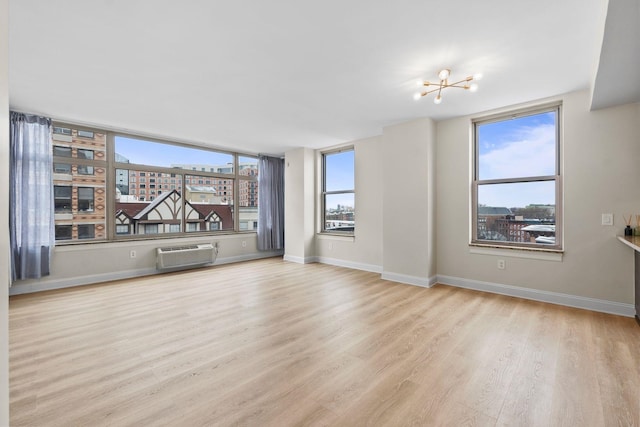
(517, 182)
(151, 229)
(64, 232)
(214, 226)
(85, 154)
(85, 170)
(62, 198)
(85, 134)
(338, 191)
(63, 168)
(61, 130)
(192, 226)
(85, 199)
(122, 229)
(86, 231)
(61, 151)
(174, 228)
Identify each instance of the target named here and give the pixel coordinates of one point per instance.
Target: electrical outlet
(607, 219)
(501, 264)
(132, 254)
(244, 244)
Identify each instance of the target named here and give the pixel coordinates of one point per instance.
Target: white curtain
(31, 215)
(271, 206)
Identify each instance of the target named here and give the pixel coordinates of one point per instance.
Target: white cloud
(531, 153)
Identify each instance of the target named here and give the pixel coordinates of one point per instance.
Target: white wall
(299, 205)
(364, 251)
(73, 265)
(4, 213)
(601, 150)
(408, 232)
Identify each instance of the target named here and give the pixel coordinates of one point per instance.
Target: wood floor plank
(273, 343)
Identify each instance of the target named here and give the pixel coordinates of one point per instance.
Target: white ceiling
(268, 76)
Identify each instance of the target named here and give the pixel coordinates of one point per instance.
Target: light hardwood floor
(274, 343)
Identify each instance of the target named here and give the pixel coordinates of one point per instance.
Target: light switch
(607, 219)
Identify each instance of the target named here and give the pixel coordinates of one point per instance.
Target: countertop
(632, 241)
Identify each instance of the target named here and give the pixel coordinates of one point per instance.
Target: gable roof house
(302, 81)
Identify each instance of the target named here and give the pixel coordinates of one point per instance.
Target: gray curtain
(271, 207)
(31, 216)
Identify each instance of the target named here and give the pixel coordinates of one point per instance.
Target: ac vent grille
(185, 256)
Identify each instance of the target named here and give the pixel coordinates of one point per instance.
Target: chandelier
(444, 84)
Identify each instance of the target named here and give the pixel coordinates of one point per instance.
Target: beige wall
(601, 175)
(299, 202)
(93, 263)
(408, 232)
(365, 250)
(4, 213)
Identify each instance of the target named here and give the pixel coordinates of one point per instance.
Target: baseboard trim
(300, 260)
(49, 285)
(593, 304)
(349, 264)
(19, 289)
(247, 257)
(409, 280)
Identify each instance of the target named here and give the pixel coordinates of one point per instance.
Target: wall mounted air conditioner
(186, 256)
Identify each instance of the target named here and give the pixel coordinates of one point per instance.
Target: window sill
(336, 236)
(533, 253)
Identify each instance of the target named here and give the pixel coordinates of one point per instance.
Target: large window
(165, 188)
(338, 191)
(517, 182)
(158, 188)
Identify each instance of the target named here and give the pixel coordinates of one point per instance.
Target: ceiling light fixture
(443, 75)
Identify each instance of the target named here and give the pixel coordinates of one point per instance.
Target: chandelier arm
(468, 79)
(430, 91)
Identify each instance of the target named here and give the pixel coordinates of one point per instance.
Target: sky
(340, 176)
(147, 153)
(517, 148)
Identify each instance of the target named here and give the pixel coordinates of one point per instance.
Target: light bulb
(417, 96)
(444, 74)
(477, 76)
(419, 83)
(437, 99)
(473, 87)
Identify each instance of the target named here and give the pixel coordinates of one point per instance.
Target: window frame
(557, 178)
(110, 164)
(324, 193)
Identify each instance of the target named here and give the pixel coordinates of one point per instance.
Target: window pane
(63, 232)
(85, 154)
(339, 212)
(517, 148)
(86, 231)
(64, 168)
(517, 212)
(339, 171)
(85, 199)
(131, 150)
(61, 151)
(143, 210)
(122, 229)
(248, 166)
(208, 201)
(62, 198)
(80, 190)
(85, 170)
